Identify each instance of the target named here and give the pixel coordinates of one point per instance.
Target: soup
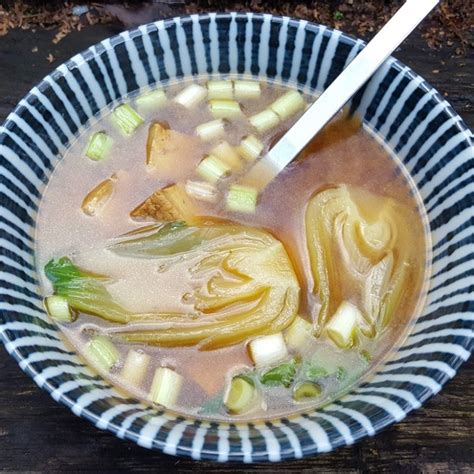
(192, 289)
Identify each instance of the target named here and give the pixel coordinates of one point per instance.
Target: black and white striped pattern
(415, 122)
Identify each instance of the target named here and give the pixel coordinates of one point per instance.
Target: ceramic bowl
(412, 119)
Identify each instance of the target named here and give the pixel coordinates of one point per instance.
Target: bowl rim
(85, 412)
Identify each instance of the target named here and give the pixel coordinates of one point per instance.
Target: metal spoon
(339, 92)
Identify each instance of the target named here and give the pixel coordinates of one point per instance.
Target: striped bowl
(411, 117)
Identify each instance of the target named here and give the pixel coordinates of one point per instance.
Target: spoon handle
(339, 92)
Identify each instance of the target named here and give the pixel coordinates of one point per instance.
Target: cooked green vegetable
(101, 353)
(84, 291)
(240, 396)
(306, 390)
(283, 374)
(126, 119)
(314, 372)
(98, 146)
(249, 287)
(369, 250)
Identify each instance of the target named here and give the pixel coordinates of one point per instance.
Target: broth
(344, 152)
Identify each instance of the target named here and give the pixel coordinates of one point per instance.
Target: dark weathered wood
(36, 434)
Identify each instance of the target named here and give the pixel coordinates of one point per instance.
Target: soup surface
(338, 239)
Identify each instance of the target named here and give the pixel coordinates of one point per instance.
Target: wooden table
(37, 434)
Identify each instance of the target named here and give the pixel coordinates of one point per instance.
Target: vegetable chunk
(167, 204)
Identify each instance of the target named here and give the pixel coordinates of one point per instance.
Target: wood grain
(38, 435)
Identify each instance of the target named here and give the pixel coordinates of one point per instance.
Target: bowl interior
(409, 116)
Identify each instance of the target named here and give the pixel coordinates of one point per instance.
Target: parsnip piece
(96, 199)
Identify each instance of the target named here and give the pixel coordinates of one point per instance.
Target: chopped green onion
(267, 350)
(341, 373)
(265, 120)
(247, 89)
(314, 372)
(211, 130)
(201, 190)
(135, 367)
(126, 119)
(298, 333)
(342, 326)
(250, 148)
(220, 89)
(152, 100)
(102, 353)
(242, 199)
(191, 96)
(240, 396)
(98, 146)
(365, 356)
(228, 155)
(306, 390)
(288, 104)
(224, 108)
(284, 374)
(212, 169)
(165, 387)
(58, 308)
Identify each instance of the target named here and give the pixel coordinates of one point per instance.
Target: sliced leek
(58, 308)
(288, 104)
(228, 155)
(299, 333)
(166, 387)
(247, 89)
(201, 190)
(212, 169)
(242, 199)
(135, 367)
(126, 119)
(211, 130)
(250, 148)
(191, 96)
(306, 390)
(265, 120)
(224, 108)
(152, 100)
(220, 89)
(240, 396)
(267, 350)
(342, 326)
(98, 146)
(102, 353)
